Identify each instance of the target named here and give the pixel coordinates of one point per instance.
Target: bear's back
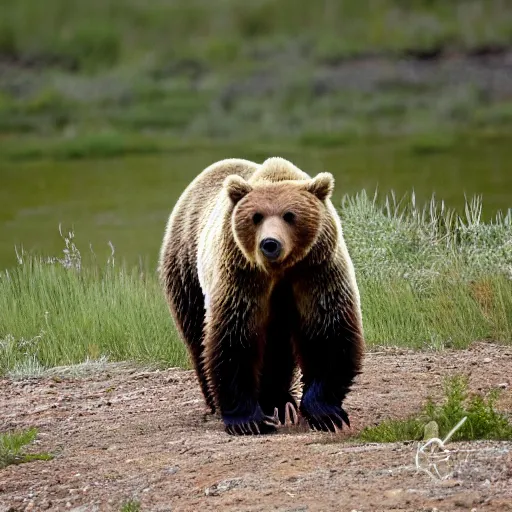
(194, 207)
(277, 169)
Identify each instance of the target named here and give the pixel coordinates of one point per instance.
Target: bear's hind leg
(187, 305)
(279, 360)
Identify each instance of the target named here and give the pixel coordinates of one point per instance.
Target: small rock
(223, 486)
(503, 385)
(450, 483)
(487, 360)
(430, 430)
(85, 508)
(391, 493)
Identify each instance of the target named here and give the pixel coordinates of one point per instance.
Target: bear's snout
(271, 248)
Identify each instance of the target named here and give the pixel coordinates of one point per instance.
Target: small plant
(483, 421)
(11, 448)
(391, 431)
(131, 506)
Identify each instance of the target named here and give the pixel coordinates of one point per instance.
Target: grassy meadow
(429, 279)
(94, 77)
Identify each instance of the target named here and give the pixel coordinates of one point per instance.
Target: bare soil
(128, 433)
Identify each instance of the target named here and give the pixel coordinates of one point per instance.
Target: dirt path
(124, 433)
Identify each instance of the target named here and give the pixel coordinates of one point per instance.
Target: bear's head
(275, 224)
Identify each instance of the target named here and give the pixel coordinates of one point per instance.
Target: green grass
(429, 276)
(428, 279)
(131, 506)
(450, 312)
(243, 70)
(12, 448)
(67, 313)
(72, 35)
(483, 421)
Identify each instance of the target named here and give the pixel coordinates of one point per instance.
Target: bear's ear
(322, 185)
(236, 187)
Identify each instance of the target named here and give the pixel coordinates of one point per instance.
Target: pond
(127, 200)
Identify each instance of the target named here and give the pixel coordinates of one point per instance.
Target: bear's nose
(271, 248)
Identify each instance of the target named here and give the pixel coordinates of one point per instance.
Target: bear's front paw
(256, 423)
(320, 414)
(327, 418)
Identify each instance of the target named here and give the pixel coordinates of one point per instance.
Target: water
(127, 200)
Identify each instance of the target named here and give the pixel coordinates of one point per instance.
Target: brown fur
(247, 320)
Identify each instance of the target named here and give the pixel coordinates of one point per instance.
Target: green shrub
(483, 421)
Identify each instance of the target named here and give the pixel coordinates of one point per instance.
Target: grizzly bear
(259, 282)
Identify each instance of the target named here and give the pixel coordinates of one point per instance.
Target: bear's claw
(285, 410)
(290, 414)
(327, 418)
(255, 424)
(329, 423)
(320, 413)
(252, 428)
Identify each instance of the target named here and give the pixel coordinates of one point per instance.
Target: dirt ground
(122, 433)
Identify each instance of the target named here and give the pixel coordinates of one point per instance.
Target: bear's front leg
(329, 344)
(233, 358)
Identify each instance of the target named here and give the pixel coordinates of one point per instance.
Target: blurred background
(108, 108)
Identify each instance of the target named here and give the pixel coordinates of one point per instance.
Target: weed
(483, 421)
(131, 506)
(12, 445)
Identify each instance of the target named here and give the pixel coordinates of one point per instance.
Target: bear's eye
(257, 218)
(289, 217)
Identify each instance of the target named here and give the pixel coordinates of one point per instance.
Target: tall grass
(59, 311)
(428, 279)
